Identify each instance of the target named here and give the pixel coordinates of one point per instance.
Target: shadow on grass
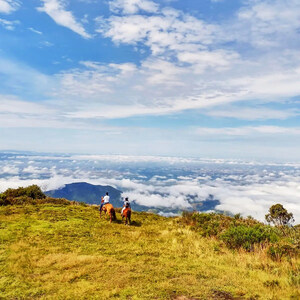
(118, 221)
(136, 223)
(133, 223)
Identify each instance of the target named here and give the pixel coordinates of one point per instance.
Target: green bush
(246, 237)
(20, 200)
(28, 195)
(278, 251)
(238, 232)
(33, 192)
(213, 224)
(3, 200)
(208, 224)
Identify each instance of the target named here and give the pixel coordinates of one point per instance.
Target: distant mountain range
(88, 193)
(91, 194)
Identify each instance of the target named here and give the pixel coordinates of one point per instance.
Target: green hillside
(64, 251)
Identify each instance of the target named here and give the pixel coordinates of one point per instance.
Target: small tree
(279, 216)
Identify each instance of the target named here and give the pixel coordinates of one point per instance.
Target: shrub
(237, 232)
(29, 195)
(213, 224)
(210, 224)
(278, 251)
(210, 227)
(33, 192)
(3, 200)
(246, 237)
(21, 200)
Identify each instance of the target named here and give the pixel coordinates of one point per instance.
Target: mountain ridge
(87, 193)
(91, 194)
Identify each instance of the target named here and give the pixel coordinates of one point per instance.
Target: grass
(66, 252)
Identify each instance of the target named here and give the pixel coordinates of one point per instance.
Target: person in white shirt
(126, 204)
(105, 201)
(106, 198)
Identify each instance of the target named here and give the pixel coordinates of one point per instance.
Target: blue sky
(204, 78)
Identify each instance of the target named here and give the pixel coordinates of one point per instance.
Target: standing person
(126, 205)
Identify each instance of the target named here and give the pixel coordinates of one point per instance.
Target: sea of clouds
(249, 188)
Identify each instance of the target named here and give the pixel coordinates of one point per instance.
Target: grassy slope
(66, 252)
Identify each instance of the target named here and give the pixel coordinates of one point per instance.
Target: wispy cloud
(9, 25)
(57, 11)
(249, 131)
(8, 6)
(257, 113)
(133, 6)
(35, 31)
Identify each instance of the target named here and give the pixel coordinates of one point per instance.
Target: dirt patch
(218, 295)
(184, 298)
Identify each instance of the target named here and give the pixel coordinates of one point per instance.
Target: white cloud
(56, 10)
(10, 104)
(249, 131)
(131, 159)
(268, 23)
(9, 25)
(15, 113)
(133, 6)
(8, 6)
(46, 44)
(35, 31)
(253, 198)
(258, 113)
(218, 59)
(10, 169)
(171, 30)
(193, 65)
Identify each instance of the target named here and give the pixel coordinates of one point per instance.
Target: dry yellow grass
(66, 252)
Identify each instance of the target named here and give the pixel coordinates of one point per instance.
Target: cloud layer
(241, 187)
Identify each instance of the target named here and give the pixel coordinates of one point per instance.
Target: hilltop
(65, 251)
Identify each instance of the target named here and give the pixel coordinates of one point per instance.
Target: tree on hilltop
(279, 216)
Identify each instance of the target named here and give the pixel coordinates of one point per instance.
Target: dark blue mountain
(88, 193)
(91, 194)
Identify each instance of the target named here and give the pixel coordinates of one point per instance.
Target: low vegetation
(58, 251)
(246, 233)
(29, 195)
